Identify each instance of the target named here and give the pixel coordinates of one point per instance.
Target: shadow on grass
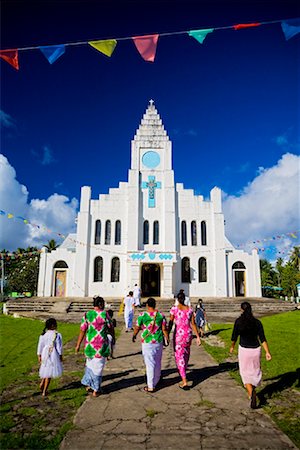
(284, 381)
(215, 332)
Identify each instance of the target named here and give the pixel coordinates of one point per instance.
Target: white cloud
(268, 205)
(6, 120)
(56, 213)
(44, 156)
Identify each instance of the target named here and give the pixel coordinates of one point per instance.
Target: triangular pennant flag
(53, 52)
(10, 216)
(146, 46)
(200, 35)
(290, 28)
(239, 26)
(106, 47)
(10, 56)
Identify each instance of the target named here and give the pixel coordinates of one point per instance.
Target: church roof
(151, 128)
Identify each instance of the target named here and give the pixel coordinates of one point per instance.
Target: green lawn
(280, 375)
(18, 345)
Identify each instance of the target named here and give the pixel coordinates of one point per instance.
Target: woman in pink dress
(184, 320)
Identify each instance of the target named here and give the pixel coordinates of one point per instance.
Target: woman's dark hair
(247, 319)
(110, 313)
(50, 324)
(181, 298)
(151, 302)
(99, 302)
(130, 293)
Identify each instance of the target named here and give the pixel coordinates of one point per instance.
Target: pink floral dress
(183, 336)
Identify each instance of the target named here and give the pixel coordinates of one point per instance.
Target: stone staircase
(72, 309)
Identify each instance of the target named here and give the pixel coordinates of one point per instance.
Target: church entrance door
(239, 282)
(150, 284)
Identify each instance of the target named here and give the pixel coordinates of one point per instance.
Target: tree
(295, 257)
(290, 279)
(52, 245)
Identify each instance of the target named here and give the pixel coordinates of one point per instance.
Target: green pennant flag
(200, 35)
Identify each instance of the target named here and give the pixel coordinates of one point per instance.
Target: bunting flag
(10, 56)
(10, 216)
(53, 52)
(290, 28)
(146, 46)
(240, 26)
(106, 47)
(200, 35)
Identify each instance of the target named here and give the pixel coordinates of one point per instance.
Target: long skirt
(128, 316)
(249, 365)
(182, 349)
(51, 366)
(93, 373)
(152, 354)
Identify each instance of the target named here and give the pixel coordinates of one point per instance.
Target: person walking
(200, 316)
(129, 311)
(153, 326)
(49, 353)
(95, 325)
(183, 317)
(137, 295)
(252, 337)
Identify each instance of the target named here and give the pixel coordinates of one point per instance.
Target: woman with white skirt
(252, 337)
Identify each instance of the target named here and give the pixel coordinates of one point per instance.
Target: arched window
(183, 233)
(185, 270)
(238, 265)
(203, 233)
(146, 232)
(155, 232)
(98, 232)
(60, 265)
(115, 270)
(194, 232)
(118, 232)
(98, 269)
(202, 270)
(107, 232)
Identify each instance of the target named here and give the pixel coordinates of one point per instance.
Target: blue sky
(230, 107)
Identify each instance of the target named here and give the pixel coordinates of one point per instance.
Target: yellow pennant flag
(106, 47)
(10, 216)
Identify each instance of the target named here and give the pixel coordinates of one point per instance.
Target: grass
(280, 375)
(26, 420)
(151, 413)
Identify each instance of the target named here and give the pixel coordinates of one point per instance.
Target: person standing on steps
(252, 337)
(137, 295)
(94, 327)
(129, 311)
(153, 325)
(184, 319)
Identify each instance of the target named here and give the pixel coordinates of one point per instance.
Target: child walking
(49, 353)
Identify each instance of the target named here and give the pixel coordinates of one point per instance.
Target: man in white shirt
(137, 295)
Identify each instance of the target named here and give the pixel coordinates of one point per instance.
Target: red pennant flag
(10, 56)
(239, 26)
(146, 46)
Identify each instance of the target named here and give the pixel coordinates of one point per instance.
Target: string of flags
(146, 45)
(293, 234)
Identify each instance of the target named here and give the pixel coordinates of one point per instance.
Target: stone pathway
(213, 414)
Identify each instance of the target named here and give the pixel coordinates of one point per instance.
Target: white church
(151, 232)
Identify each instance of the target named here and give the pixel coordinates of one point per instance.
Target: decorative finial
(151, 102)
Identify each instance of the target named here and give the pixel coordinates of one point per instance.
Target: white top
(128, 303)
(137, 292)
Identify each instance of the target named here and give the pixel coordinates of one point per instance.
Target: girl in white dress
(49, 353)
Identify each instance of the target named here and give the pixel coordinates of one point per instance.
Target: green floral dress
(151, 333)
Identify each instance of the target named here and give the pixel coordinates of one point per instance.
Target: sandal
(184, 387)
(146, 389)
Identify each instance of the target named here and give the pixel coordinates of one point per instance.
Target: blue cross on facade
(151, 185)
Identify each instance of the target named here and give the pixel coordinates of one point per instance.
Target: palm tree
(52, 245)
(295, 257)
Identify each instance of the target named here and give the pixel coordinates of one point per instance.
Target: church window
(118, 233)
(238, 265)
(98, 269)
(194, 232)
(203, 233)
(146, 232)
(185, 270)
(107, 232)
(183, 233)
(98, 232)
(155, 232)
(60, 265)
(202, 270)
(115, 270)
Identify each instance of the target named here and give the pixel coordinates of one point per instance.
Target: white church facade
(151, 232)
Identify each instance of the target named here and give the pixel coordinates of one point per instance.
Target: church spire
(151, 130)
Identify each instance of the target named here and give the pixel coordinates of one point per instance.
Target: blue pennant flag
(290, 28)
(53, 52)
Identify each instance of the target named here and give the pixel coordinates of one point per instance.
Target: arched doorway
(239, 279)
(150, 283)
(60, 279)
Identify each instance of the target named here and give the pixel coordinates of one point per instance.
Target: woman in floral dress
(184, 320)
